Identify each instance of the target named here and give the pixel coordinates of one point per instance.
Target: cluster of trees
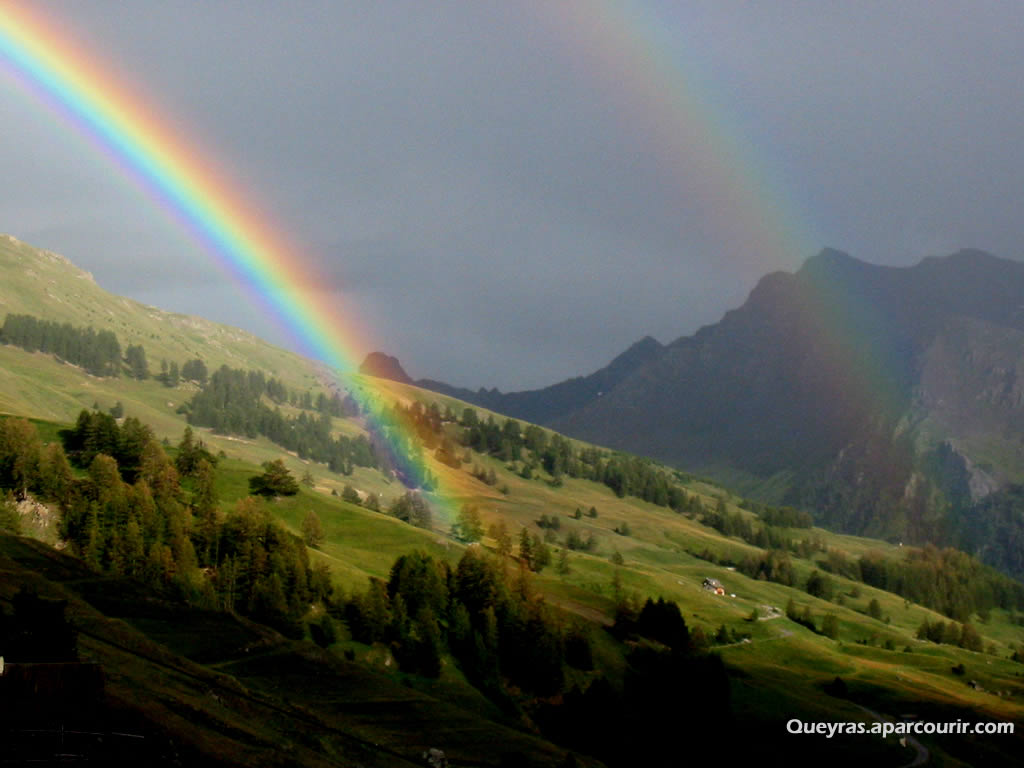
(468, 526)
(192, 370)
(406, 432)
(773, 565)
(785, 517)
(946, 580)
(499, 632)
(231, 402)
(534, 552)
(964, 635)
(551, 523)
(665, 659)
(26, 466)
(659, 620)
(538, 450)
(135, 359)
(838, 563)
(829, 623)
(333, 405)
(576, 541)
(994, 527)
(97, 433)
(487, 476)
(767, 535)
(351, 495)
(819, 585)
(160, 525)
(98, 352)
(260, 569)
(412, 508)
(276, 480)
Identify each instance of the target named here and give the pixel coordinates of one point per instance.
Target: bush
(312, 530)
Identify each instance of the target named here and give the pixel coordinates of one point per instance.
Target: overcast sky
(509, 194)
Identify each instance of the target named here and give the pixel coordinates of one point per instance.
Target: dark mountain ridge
(887, 400)
(542, 406)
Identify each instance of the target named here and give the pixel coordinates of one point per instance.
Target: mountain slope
(626, 547)
(888, 400)
(844, 379)
(47, 285)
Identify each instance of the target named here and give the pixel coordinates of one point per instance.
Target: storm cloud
(476, 183)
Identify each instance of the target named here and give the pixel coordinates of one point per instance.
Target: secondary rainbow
(654, 78)
(182, 181)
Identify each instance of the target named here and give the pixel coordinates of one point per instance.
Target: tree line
(498, 630)
(97, 352)
(231, 402)
(533, 450)
(160, 522)
(946, 580)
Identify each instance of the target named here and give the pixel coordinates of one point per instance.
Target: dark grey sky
(509, 195)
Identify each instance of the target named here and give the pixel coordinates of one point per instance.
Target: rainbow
(174, 174)
(656, 84)
(654, 81)
(622, 44)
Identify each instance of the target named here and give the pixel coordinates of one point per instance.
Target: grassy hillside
(211, 688)
(47, 285)
(779, 669)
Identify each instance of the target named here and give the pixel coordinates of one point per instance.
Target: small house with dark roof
(714, 585)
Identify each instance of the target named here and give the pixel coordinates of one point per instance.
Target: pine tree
(526, 548)
(874, 609)
(541, 555)
(20, 450)
(55, 475)
(563, 562)
(204, 510)
(499, 532)
(468, 526)
(135, 358)
(276, 480)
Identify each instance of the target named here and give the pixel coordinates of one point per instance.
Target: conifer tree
(276, 480)
(563, 562)
(135, 358)
(525, 547)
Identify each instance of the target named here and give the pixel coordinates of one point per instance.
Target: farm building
(714, 585)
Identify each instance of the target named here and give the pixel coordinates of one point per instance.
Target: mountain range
(889, 401)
